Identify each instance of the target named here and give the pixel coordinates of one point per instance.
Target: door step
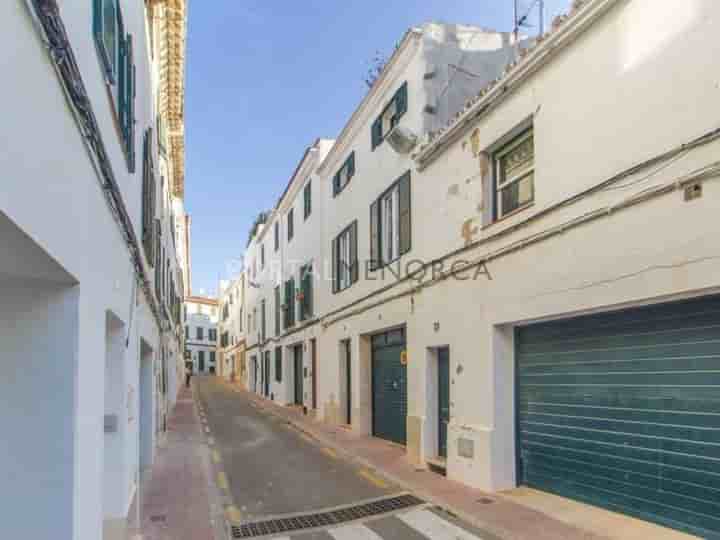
(437, 465)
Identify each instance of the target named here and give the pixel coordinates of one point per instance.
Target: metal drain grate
(325, 518)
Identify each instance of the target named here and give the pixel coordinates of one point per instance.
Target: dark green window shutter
(405, 214)
(122, 88)
(278, 364)
(374, 236)
(335, 274)
(353, 253)
(351, 166)
(401, 101)
(131, 108)
(376, 132)
(336, 183)
(307, 289)
(291, 305)
(277, 310)
(307, 199)
(262, 320)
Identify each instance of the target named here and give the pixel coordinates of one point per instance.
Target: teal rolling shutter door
(622, 410)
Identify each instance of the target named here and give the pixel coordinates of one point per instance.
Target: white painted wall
(56, 203)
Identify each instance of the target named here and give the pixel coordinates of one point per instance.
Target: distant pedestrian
(188, 375)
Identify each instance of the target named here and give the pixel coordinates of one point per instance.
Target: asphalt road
(274, 470)
(271, 468)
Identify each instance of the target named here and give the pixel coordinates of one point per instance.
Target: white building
(90, 317)
(231, 345)
(530, 296)
(201, 334)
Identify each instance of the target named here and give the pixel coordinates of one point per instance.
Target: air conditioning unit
(401, 139)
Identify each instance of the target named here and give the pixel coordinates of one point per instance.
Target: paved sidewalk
(175, 499)
(502, 517)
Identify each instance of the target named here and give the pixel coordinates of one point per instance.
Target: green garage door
(622, 410)
(389, 387)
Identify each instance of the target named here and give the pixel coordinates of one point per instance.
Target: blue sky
(264, 79)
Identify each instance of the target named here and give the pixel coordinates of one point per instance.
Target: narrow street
(275, 472)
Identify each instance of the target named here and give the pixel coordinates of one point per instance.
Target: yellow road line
(233, 513)
(329, 452)
(379, 482)
(216, 456)
(222, 481)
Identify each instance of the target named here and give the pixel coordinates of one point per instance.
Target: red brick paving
(175, 498)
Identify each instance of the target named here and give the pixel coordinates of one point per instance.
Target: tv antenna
(521, 20)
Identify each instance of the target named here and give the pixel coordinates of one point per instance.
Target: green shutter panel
(98, 20)
(292, 307)
(405, 221)
(353, 253)
(278, 364)
(131, 109)
(487, 178)
(336, 183)
(335, 275)
(374, 236)
(376, 133)
(277, 311)
(122, 88)
(309, 292)
(401, 100)
(351, 166)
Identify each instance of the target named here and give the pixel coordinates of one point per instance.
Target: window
(126, 99)
(212, 334)
(307, 200)
(150, 230)
(514, 174)
(187, 332)
(200, 333)
(390, 116)
(390, 227)
(105, 28)
(201, 359)
(212, 357)
(343, 176)
(240, 319)
(306, 292)
(224, 339)
(185, 313)
(278, 364)
(289, 303)
(278, 308)
(115, 49)
(262, 256)
(344, 258)
(262, 321)
(277, 235)
(290, 227)
(254, 318)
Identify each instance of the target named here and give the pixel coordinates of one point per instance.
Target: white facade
(231, 333)
(201, 334)
(274, 258)
(89, 320)
(620, 103)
